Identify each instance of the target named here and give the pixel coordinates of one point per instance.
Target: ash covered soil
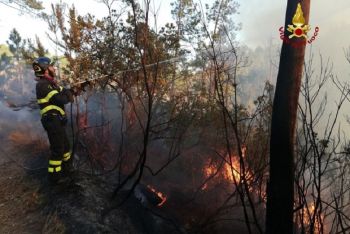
(29, 205)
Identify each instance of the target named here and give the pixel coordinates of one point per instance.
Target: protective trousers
(54, 125)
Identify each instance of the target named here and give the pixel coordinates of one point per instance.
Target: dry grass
(53, 224)
(20, 202)
(18, 137)
(22, 140)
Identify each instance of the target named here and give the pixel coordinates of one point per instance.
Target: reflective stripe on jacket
(51, 97)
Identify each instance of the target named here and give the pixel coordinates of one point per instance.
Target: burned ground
(29, 205)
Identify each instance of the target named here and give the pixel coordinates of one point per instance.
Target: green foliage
(22, 50)
(30, 7)
(16, 56)
(199, 23)
(15, 43)
(4, 49)
(34, 4)
(31, 51)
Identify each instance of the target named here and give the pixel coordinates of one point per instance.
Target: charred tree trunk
(279, 214)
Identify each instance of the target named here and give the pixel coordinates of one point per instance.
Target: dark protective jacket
(51, 97)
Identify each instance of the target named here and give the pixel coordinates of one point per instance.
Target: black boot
(59, 182)
(67, 168)
(55, 178)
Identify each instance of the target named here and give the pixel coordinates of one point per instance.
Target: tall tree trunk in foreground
(279, 214)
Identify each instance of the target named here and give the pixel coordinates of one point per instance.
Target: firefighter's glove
(70, 96)
(75, 91)
(84, 85)
(64, 120)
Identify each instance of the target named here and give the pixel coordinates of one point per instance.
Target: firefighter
(51, 99)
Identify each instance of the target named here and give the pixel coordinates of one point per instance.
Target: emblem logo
(298, 29)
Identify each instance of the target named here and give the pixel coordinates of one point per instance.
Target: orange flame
(309, 210)
(210, 170)
(231, 172)
(159, 194)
